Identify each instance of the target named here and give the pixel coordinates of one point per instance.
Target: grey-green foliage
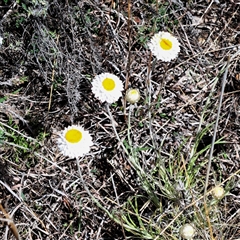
(36, 8)
(1, 136)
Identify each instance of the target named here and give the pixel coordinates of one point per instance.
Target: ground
(151, 168)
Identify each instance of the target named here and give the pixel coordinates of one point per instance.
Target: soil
(51, 51)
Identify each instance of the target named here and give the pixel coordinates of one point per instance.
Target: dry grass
(146, 174)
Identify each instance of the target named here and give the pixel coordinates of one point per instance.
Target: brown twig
(129, 54)
(52, 79)
(10, 223)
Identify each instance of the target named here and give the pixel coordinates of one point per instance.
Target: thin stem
(129, 156)
(88, 191)
(114, 129)
(129, 55)
(215, 128)
(213, 142)
(149, 84)
(95, 200)
(217, 120)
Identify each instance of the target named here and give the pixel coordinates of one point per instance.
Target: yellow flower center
(73, 136)
(133, 92)
(108, 84)
(132, 95)
(165, 44)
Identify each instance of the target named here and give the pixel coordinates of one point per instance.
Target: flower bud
(187, 231)
(132, 95)
(218, 192)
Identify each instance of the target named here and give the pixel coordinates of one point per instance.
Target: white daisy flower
(132, 95)
(164, 46)
(74, 141)
(187, 231)
(107, 87)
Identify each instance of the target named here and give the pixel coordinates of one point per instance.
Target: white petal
(73, 150)
(104, 95)
(160, 53)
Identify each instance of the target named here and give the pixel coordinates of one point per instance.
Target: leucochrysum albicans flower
(187, 231)
(132, 95)
(107, 87)
(218, 192)
(164, 46)
(74, 141)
